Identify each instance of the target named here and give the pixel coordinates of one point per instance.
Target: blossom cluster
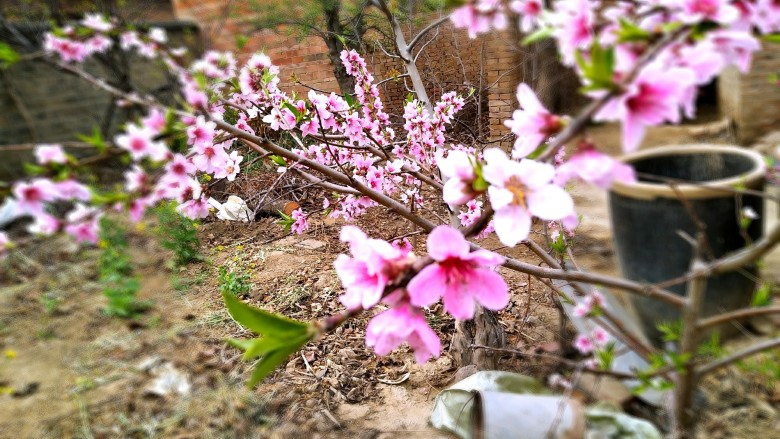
(97, 35)
(608, 48)
(456, 275)
(224, 102)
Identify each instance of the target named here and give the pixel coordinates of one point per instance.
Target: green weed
(234, 282)
(178, 234)
(116, 272)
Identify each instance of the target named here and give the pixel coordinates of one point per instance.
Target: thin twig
(736, 356)
(736, 315)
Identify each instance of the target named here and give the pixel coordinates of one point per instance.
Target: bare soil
(71, 371)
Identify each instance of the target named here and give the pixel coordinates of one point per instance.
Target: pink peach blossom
(301, 223)
(458, 170)
(71, 190)
(374, 263)
(520, 190)
(45, 154)
(31, 197)
(596, 168)
(584, 344)
(96, 22)
(140, 143)
(653, 98)
(389, 329)
(600, 337)
(461, 277)
(82, 223)
(532, 124)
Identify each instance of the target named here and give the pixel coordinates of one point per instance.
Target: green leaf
(261, 321)
(763, 295)
(278, 160)
(480, 184)
(243, 344)
(32, 169)
(201, 79)
(280, 336)
(95, 139)
(8, 56)
(671, 331)
(538, 151)
(268, 363)
(293, 109)
(680, 361)
(630, 32)
(599, 70)
(712, 346)
(537, 35)
(559, 245)
(264, 346)
(349, 100)
(771, 38)
(606, 356)
(241, 41)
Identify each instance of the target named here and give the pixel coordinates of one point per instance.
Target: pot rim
(712, 189)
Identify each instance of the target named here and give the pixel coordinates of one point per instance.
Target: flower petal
(496, 170)
(499, 197)
(445, 242)
(485, 258)
(550, 203)
(459, 301)
(633, 132)
(424, 341)
(528, 100)
(457, 192)
(489, 289)
(534, 174)
(427, 287)
(512, 225)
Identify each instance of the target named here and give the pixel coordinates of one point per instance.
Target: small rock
(550, 347)
(148, 363)
(604, 388)
(352, 412)
(169, 380)
(322, 282)
(26, 390)
(464, 372)
(311, 244)
(532, 320)
(765, 325)
(763, 407)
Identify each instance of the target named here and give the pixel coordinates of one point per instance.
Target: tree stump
(483, 330)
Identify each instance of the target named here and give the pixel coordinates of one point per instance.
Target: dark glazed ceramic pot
(648, 216)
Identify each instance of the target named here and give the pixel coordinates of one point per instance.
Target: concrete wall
(40, 103)
(752, 101)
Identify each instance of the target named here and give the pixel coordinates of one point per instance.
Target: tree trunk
(331, 8)
(483, 330)
(556, 85)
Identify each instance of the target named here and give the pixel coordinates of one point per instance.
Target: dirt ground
(70, 371)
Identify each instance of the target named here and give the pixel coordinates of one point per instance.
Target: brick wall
(451, 61)
(752, 101)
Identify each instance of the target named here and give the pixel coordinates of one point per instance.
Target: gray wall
(60, 106)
